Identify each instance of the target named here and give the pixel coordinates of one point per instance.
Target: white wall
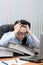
(31, 10)
(5, 11)
(37, 17)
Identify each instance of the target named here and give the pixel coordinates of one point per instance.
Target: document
(16, 61)
(1, 63)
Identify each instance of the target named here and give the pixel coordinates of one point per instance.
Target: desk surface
(28, 63)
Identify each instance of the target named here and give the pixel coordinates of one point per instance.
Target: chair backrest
(6, 28)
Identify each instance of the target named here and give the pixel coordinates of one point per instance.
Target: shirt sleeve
(32, 40)
(6, 37)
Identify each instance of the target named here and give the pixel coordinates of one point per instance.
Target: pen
(16, 61)
(4, 63)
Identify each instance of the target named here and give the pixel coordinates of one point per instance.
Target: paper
(13, 62)
(20, 62)
(1, 63)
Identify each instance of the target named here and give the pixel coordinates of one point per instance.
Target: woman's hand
(28, 30)
(17, 27)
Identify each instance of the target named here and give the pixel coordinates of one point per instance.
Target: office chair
(6, 28)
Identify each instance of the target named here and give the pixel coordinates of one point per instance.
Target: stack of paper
(14, 48)
(8, 52)
(21, 49)
(4, 52)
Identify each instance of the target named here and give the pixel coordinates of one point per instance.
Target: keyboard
(30, 58)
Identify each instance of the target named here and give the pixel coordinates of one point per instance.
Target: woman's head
(23, 22)
(23, 29)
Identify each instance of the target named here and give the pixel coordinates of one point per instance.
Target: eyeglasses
(21, 33)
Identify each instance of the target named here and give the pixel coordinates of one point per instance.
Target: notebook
(36, 58)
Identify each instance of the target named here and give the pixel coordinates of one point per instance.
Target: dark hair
(24, 22)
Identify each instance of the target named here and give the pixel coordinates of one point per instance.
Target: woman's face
(21, 34)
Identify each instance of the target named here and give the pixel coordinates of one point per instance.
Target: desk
(28, 63)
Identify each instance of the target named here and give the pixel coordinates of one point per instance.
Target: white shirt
(10, 37)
